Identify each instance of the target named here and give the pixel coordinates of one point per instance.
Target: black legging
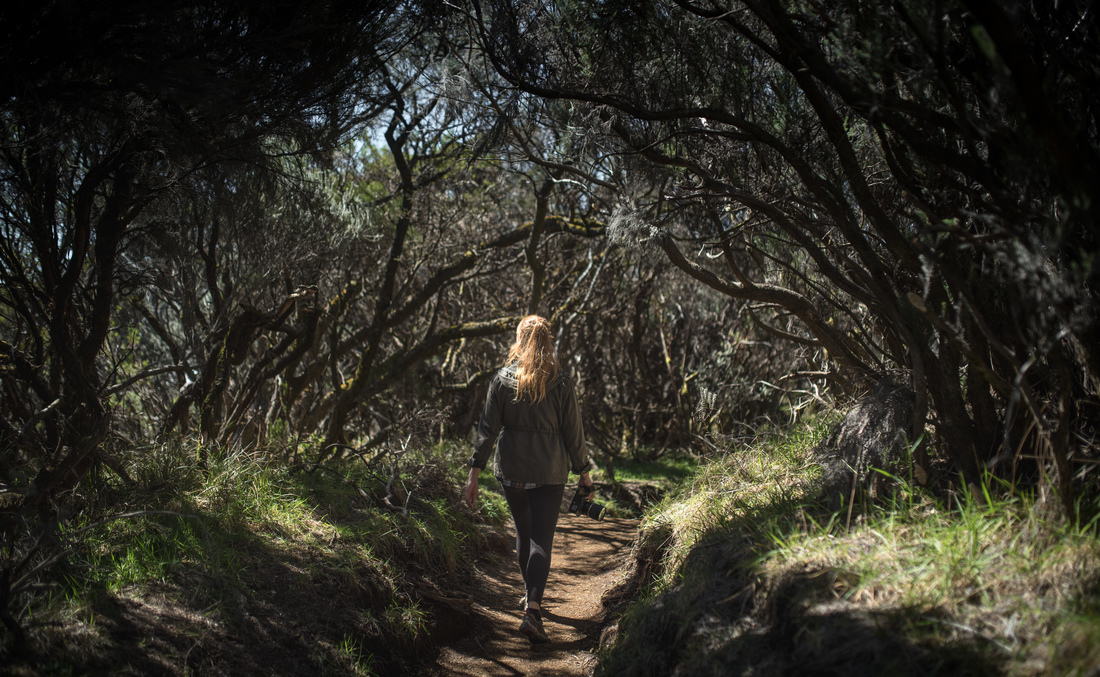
(535, 512)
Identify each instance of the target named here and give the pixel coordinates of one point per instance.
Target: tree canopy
(309, 222)
(912, 181)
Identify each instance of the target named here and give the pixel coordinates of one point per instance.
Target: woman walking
(531, 415)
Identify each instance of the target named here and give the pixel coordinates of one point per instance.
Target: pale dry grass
(745, 551)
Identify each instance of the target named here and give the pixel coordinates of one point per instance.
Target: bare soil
(587, 561)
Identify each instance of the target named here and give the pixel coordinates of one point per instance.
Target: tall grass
(750, 574)
(222, 540)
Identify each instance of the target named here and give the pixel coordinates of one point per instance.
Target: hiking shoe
(532, 628)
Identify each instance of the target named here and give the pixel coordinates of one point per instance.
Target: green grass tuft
(744, 572)
(305, 567)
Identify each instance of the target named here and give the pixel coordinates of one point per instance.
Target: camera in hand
(582, 504)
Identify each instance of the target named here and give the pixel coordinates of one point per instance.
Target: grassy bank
(744, 572)
(256, 564)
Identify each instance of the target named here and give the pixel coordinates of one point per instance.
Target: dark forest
(280, 247)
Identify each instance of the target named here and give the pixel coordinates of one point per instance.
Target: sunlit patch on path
(587, 558)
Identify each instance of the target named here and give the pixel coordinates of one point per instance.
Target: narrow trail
(587, 559)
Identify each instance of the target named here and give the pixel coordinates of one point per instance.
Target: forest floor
(295, 595)
(587, 561)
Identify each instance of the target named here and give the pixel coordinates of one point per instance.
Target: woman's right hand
(471, 488)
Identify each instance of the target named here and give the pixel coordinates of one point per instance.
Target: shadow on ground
(722, 617)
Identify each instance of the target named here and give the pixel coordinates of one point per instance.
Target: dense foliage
(311, 227)
(911, 183)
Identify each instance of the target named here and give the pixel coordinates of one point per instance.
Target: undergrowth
(634, 484)
(313, 570)
(745, 572)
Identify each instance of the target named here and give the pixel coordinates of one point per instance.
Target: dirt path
(586, 561)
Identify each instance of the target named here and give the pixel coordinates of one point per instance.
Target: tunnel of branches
(263, 224)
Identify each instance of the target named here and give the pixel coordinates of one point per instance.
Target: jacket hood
(508, 375)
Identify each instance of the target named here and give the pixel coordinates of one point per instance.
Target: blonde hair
(533, 358)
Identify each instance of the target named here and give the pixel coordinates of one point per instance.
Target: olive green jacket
(535, 442)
